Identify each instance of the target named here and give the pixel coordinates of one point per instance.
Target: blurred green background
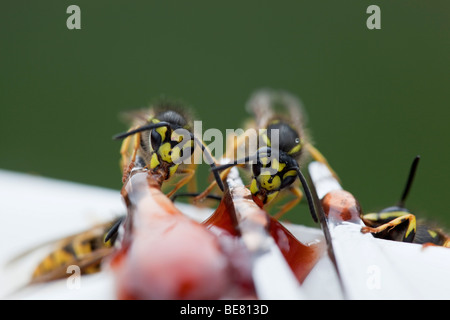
(374, 98)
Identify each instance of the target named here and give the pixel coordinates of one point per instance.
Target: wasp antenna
(210, 160)
(234, 163)
(114, 229)
(140, 129)
(209, 196)
(312, 208)
(225, 166)
(243, 160)
(409, 182)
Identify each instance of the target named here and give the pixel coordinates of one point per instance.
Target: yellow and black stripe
(86, 250)
(161, 143)
(281, 145)
(399, 224)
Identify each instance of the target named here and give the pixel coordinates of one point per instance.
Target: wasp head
(279, 135)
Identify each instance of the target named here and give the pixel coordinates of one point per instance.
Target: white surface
(380, 269)
(35, 210)
(273, 277)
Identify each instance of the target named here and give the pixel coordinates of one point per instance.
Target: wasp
(282, 145)
(398, 223)
(158, 146)
(164, 254)
(86, 249)
(161, 140)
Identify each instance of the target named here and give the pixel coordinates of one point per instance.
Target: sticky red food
(341, 205)
(238, 205)
(166, 255)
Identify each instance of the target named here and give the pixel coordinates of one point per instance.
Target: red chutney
(166, 255)
(300, 257)
(221, 224)
(341, 205)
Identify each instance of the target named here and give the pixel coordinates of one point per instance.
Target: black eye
(155, 139)
(256, 169)
(287, 181)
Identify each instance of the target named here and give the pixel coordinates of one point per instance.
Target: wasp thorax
(282, 135)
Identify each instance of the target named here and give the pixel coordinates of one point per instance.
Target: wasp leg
(124, 152)
(288, 206)
(410, 231)
(192, 183)
(231, 153)
(189, 174)
(127, 163)
(208, 190)
(125, 148)
(209, 196)
(318, 156)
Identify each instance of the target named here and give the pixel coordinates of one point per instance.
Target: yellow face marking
(289, 174)
(164, 152)
(176, 152)
(189, 146)
(254, 187)
(295, 149)
(176, 137)
(264, 161)
(271, 196)
(162, 132)
(269, 182)
(154, 162)
(276, 165)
